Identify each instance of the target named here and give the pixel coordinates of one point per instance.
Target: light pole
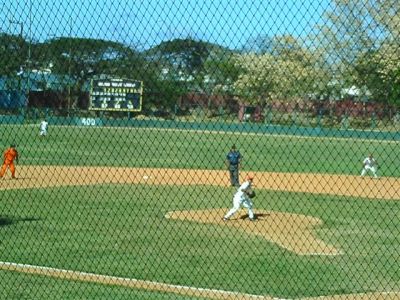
(21, 35)
(69, 63)
(29, 45)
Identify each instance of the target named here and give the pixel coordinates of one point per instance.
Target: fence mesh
(134, 132)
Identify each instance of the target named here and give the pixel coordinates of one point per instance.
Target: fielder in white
(370, 164)
(241, 198)
(43, 128)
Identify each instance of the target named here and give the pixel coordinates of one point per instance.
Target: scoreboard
(116, 95)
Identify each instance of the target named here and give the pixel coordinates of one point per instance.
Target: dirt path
(290, 231)
(47, 176)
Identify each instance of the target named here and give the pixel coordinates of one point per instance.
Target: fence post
(344, 124)
(22, 112)
(319, 117)
(221, 111)
(268, 115)
(373, 121)
(294, 118)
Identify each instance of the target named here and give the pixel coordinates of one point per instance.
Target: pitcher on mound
(241, 198)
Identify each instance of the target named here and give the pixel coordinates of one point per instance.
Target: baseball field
(136, 213)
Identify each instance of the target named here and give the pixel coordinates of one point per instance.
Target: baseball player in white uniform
(370, 164)
(241, 198)
(43, 128)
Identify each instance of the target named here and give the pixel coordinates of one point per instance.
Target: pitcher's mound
(290, 231)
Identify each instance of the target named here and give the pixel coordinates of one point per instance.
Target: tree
(360, 39)
(380, 71)
(13, 54)
(184, 55)
(186, 65)
(79, 57)
(288, 71)
(77, 60)
(221, 71)
(387, 15)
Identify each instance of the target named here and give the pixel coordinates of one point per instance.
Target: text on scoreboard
(116, 95)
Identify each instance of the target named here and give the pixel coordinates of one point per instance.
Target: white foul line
(127, 282)
(162, 287)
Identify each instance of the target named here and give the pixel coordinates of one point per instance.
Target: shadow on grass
(7, 220)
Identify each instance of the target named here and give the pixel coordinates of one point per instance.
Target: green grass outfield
(120, 230)
(158, 147)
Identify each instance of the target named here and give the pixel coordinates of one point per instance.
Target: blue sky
(147, 23)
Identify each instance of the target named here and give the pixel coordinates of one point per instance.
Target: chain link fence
(133, 132)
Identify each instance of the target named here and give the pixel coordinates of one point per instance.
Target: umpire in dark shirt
(233, 164)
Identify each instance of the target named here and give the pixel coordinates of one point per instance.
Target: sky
(144, 24)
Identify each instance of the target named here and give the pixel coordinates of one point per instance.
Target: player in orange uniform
(9, 156)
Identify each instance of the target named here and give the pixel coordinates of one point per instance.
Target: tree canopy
(357, 45)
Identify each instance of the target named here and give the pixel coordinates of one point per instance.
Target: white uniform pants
(239, 200)
(368, 168)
